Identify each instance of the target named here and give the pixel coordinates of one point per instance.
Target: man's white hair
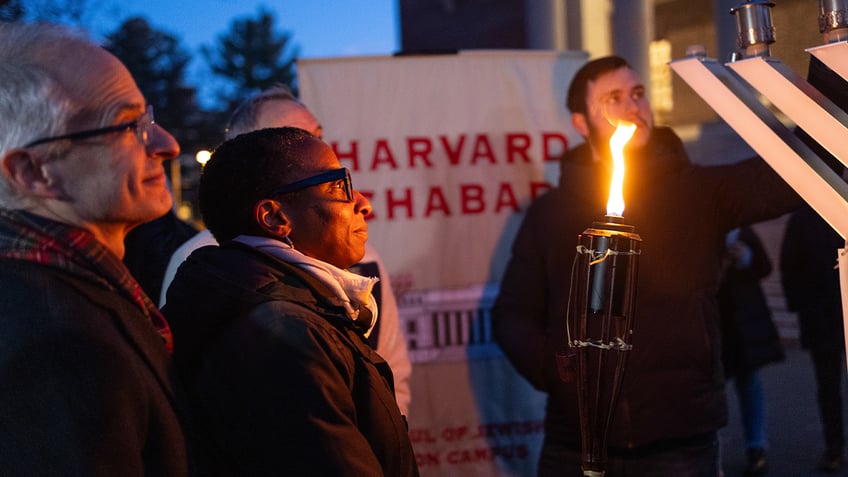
(246, 116)
(33, 102)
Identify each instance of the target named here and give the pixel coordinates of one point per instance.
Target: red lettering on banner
(421, 150)
(421, 435)
(419, 147)
(352, 154)
(551, 139)
(516, 428)
(517, 144)
(485, 454)
(454, 433)
(482, 149)
(430, 458)
(506, 198)
(383, 154)
(456, 454)
(406, 202)
(436, 202)
(453, 154)
(470, 455)
(472, 198)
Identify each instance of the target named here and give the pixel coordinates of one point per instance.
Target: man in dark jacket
(811, 284)
(672, 400)
(149, 248)
(270, 329)
(86, 382)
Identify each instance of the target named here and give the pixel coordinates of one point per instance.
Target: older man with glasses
(270, 328)
(86, 380)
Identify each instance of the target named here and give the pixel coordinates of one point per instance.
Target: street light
(202, 156)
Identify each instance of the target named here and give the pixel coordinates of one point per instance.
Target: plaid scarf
(24, 236)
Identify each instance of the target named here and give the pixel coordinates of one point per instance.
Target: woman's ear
(270, 217)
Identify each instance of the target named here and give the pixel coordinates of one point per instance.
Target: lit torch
(619, 139)
(601, 307)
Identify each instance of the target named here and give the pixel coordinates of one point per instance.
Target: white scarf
(351, 291)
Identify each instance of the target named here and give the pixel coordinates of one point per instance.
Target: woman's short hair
(243, 171)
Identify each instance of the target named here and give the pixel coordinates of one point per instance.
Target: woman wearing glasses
(269, 328)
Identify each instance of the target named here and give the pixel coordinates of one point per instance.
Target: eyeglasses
(143, 127)
(342, 175)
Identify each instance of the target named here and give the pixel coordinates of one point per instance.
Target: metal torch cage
(599, 328)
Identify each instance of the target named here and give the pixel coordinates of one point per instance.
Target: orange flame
(623, 132)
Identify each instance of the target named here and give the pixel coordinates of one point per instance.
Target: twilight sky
(319, 28)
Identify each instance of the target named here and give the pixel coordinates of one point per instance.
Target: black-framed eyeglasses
(342, 175)
(143, 127)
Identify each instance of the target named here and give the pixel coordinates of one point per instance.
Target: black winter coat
(673, 387)
(86, 385)
(280, 380)
(811, 280)
(749, 337)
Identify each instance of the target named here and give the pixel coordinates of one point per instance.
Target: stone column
(632, 31)
(553, 24)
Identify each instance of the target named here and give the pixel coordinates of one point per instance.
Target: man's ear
(24, 170)
(580, 123)
(270, 217)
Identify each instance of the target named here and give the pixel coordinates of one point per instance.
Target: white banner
(451, 149)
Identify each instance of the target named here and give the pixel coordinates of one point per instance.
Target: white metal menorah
(731, 90)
